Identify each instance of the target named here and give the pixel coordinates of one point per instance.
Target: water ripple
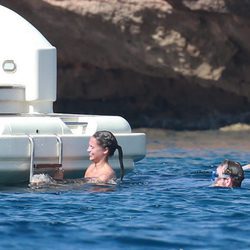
(165, 203)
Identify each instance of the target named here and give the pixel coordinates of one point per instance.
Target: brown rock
(173, 64)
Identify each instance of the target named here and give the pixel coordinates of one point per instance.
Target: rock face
(179, 64)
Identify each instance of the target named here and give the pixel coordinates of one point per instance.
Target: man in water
(229, 174)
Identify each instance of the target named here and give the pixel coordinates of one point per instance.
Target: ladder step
(48, 165)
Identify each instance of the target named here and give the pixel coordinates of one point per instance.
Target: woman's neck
(100, 163)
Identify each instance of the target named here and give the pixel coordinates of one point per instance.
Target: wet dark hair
(107, 140)
(235, 171)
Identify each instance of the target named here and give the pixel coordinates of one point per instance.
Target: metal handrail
(32, 152)
(32, 156)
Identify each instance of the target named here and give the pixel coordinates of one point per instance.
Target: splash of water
(39, 180)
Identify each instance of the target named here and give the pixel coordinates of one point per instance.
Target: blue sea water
(165, 203)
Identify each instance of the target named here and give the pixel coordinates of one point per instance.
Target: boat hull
(18, 156)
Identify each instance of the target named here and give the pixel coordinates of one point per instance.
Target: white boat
(34, 139)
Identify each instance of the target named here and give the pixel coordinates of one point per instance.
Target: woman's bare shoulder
(89, 170)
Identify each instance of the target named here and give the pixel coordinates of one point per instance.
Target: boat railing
(40, 166)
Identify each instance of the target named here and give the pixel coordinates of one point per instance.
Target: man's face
(222, 180)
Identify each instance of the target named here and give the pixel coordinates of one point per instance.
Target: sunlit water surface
(165, 203)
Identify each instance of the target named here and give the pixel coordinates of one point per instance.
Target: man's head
(229, 174)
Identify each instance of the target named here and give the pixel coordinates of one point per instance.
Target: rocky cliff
(181, 64)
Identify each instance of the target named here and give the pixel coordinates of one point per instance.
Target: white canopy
(27, 67)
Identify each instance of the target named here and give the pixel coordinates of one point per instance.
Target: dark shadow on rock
(94, 78)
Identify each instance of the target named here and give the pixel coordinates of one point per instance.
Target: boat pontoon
(33, 139)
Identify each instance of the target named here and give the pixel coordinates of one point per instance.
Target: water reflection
(44, 183)
(160, 139)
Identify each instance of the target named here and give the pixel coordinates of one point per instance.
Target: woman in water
(103, 145)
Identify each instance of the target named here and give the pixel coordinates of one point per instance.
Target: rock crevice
(179, 64)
